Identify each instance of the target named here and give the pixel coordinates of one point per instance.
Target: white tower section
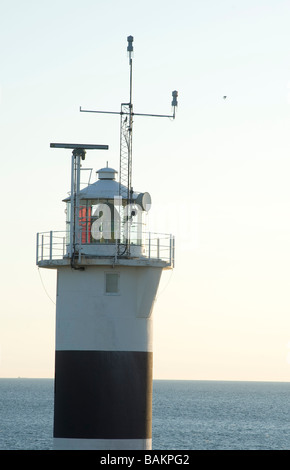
(104, 316)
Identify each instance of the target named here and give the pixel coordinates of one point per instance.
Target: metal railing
(159, 246)
(51, 246)
(54, 245)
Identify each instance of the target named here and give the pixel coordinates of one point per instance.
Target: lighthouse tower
(108, 271)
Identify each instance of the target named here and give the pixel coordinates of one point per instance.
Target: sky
(218, 174)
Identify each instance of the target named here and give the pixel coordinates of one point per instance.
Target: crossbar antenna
(126, 130)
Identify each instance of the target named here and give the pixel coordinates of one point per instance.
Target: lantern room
(101, 219)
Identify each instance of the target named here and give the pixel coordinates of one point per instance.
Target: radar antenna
(78, 154)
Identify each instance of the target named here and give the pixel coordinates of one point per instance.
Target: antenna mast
(126, 131)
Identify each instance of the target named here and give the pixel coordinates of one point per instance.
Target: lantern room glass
(106, 221)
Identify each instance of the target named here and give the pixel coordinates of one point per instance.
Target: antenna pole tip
(174, 96)
(130, 40)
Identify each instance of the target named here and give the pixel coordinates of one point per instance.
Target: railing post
(50, 245)
(37, 241)
(170, 249)
(80, 243)
(173, 251)
(149, 247)
(42, 239)
(158, 247)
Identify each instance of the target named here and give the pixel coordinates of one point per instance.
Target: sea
(187, 415)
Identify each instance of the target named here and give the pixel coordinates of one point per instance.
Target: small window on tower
(112, 283)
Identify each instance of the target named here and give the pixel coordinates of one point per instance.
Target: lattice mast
(125, 167)
(126, 133)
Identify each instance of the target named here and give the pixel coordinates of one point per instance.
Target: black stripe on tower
(103, 395)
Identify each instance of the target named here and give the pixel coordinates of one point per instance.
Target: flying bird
(224, 97)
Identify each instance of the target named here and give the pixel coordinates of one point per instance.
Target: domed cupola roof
(106, 187)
